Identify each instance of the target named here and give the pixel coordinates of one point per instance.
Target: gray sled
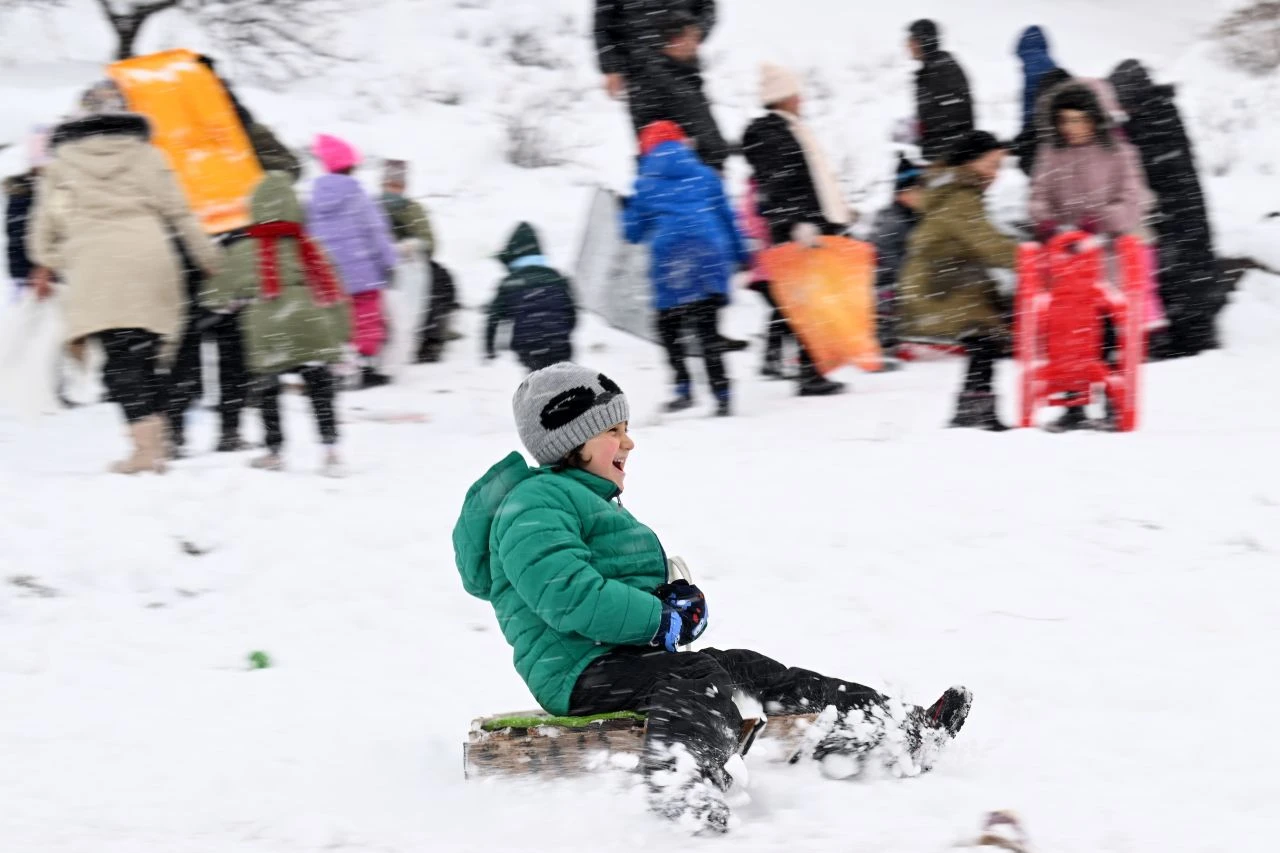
(612, 276)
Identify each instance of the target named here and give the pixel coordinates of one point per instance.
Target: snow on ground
(1111, 599)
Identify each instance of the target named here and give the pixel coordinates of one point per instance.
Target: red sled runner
(1064, 298)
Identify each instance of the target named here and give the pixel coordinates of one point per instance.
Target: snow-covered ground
(1110, 599)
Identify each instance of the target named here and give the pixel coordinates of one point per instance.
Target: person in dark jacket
(1032, 136)
(1189, 284)
(793, 188)
(20, 192)
(944, 107)
(648, 50)
(1033, 51)
(536, 300)
(222, 328)
(893, 227)
(680, 211)
(272, 154)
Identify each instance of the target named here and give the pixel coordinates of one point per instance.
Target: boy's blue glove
(684, 615)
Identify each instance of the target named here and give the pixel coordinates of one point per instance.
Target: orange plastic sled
(193, 121)
(826, 293)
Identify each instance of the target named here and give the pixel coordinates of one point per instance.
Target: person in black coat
(20, 193)
(648, 50)
(786, 196)
(944, 107)
(1189, 283)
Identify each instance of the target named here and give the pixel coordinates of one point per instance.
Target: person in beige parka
(106, 208)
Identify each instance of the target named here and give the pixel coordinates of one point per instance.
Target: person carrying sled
(410, 222)
(680, 211)
(220, 328)
(105, 209)
(944, 106)
(355, 232)
(1087, 177)
(795, 188)
(581, 591)
(536, 300)
(947, 291)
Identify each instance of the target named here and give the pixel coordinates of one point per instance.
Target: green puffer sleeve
(542, 552)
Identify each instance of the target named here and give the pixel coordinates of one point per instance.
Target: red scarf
(324, 284)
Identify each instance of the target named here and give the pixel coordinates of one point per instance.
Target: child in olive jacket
(582, 592)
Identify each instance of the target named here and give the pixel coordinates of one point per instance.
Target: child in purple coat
(357, 235)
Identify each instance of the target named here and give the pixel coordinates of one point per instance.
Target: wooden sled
(533, 743)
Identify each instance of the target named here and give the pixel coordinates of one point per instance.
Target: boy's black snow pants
(320, 387)
(700, 317)
(688, 697)
(131, 372)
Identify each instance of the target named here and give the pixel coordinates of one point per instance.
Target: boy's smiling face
(606, 454)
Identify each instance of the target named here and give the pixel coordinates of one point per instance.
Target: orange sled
(826, 293)
(194, 123)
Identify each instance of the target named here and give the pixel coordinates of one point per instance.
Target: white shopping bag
(30, 354)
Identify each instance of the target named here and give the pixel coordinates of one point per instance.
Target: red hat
(657, 132)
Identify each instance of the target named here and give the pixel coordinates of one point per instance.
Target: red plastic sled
(1063, 298)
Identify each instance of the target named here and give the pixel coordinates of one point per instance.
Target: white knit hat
(777, 84)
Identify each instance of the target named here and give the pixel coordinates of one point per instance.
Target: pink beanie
(334, 154)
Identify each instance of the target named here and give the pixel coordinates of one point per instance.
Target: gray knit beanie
(563, 406)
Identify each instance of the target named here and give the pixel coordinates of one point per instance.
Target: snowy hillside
(443, 82)
(1112, 600)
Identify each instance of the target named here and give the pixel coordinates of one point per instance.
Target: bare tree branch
(275, 41)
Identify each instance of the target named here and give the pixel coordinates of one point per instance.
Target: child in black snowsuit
(536, 300)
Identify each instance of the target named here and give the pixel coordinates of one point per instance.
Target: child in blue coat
(680, 211)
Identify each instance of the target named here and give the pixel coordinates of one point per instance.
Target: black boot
(683, 399)
(230, 441)
(732, 344)
(371, 378)
(772, 367)
(977, 410)
(722, 404)
(950, 711)
(1072, 419)
(817, 385)
(175, 446)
